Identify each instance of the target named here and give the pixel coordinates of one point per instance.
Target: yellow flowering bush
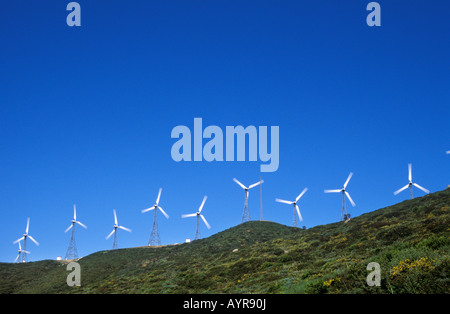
(328, 283)
(423, 264)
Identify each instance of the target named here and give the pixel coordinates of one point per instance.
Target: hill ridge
(268, 257)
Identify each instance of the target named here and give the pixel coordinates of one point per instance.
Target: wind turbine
(72, 252)
(344, 215)
(24, 238)
(116, 226)
(410, 184)
(154, 236)
(294, 220)
(199, 215)
(21, 252)
(246, 213)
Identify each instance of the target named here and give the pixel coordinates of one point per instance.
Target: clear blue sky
(86, 112)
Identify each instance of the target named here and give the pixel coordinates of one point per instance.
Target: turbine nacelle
(74, 220)
(246, 214)
(114, 231)
(156, 206)
(344, 194)
(410, 184)
(250, 186)
(199, 215)
(294, 203)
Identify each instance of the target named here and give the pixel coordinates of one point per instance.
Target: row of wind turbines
(344, 215)
(154, 236)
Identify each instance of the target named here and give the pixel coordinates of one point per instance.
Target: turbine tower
(116, 226)
(154, 236)
(344, 215)
(246, 213)
(72, 252)
(296, 209)
(24, 238)
(198, 215)
(410, 184)
(21, 253)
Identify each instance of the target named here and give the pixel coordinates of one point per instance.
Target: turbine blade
(422, 188)
(115, 217)
(203, 203)
(350, 199)
(23, 251)
(206, 223)
(348, 179)
(68, 228)
(283, 201)
(301, 194)
(256, 184)
(410, 172)
(110, 234)
(17, 258)
(81, 224)
(19, 240)
(74, 212)
(241, 185)
(159, 195)
(123, 228)
(189, 215)
(35, 242)
(399, 190)
(28, 225)
(148, 209)
(298, 212)
(332, 191)
(162, 211)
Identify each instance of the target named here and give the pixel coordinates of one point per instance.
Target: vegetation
(409, 240)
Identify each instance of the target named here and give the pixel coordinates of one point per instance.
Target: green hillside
(409, 240)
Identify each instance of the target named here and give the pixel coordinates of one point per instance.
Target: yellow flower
(328, 282)
(422, 264)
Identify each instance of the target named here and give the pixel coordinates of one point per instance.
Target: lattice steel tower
(72, 252)
(246, 212)
(154, 235)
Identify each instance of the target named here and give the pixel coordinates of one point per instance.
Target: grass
(409, 240)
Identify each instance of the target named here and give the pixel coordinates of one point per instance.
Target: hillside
(409, 240)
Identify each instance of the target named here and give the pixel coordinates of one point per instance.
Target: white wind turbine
(24, 238)
(154, 236)
(344, 215)
(294, 220)
(246, 213)
(198, 215)
(21, 252)
(116, 226)
(72, 252)
(410, 184)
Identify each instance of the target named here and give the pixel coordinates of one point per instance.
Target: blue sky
(86, 112)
